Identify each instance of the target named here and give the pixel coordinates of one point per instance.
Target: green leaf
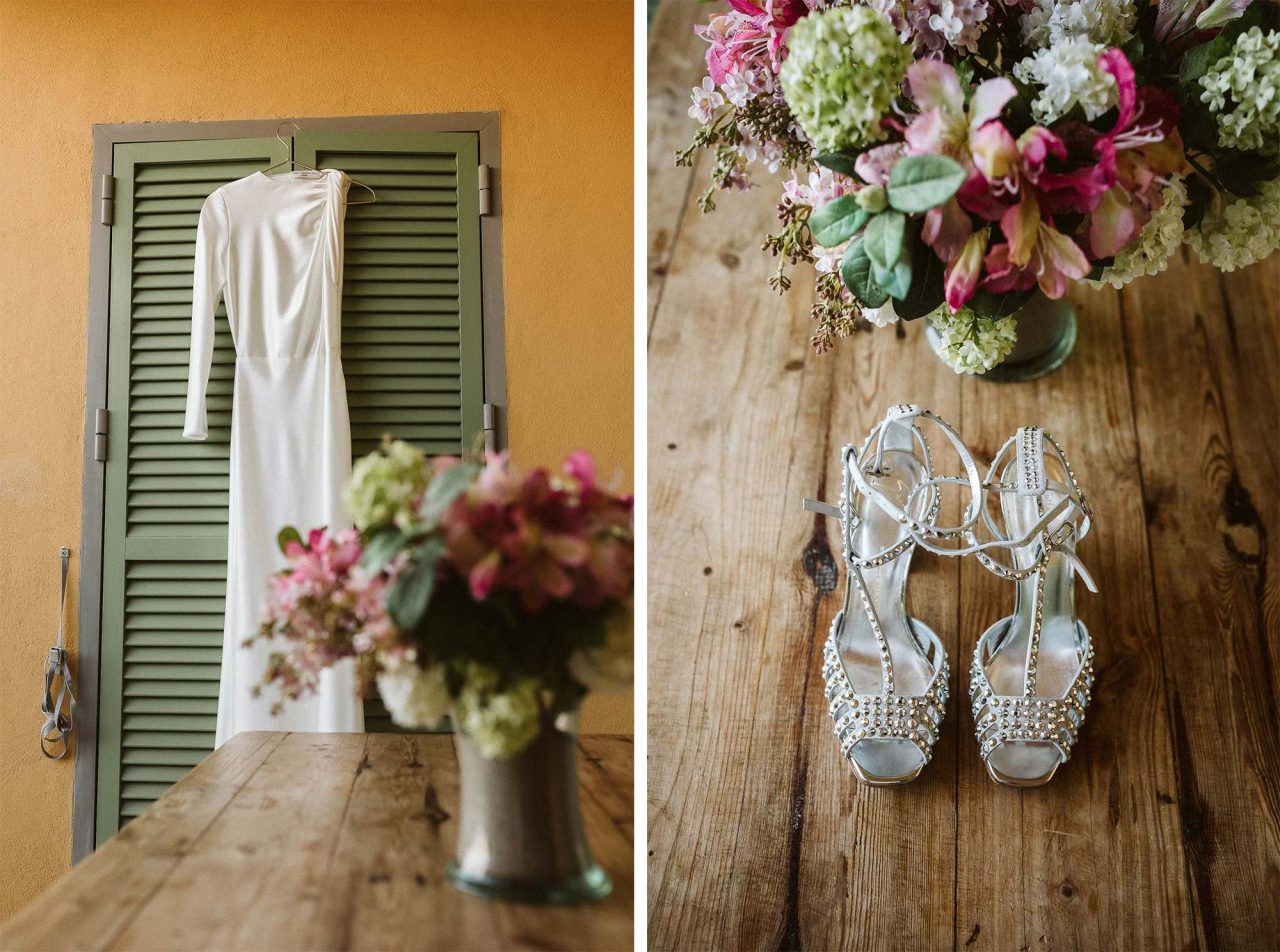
(1196, 62)
(1099, 266)
(842, 162)
(286, 535)
(921, 182)
(895, 280)
(381, 547)
(883, 238)
(1244, 172)
(837, 221)
(927, 273)
(444, 489)
(408, 599)
(996, 306)
(855, 270)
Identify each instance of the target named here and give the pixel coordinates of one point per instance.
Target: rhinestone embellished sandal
(886, 673)
(1033, 671)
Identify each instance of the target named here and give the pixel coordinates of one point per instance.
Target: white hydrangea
(844, 67)
(501, 723)
(881, 316)
(1245, 230)
(608, 667)
(1243, 91)
(1049, 22)
(971, 343)
(1069, 75)
(414, 697)
(1149, 252)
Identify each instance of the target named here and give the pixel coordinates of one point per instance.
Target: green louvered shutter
(412, 348)
(414, 367)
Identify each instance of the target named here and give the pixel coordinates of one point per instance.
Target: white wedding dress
(271, 247)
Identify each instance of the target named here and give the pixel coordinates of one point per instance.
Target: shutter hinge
(100, 419)
(107, 203)
(490, 424)
(486, 195)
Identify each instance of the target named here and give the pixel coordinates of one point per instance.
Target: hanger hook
(287, 122)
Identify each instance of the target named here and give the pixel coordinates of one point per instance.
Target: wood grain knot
(432, 810)
(1242, 530)
(820, 564)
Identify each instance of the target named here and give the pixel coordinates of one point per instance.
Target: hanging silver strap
(56, 732)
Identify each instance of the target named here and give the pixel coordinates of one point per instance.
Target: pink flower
(579, 466)
(1138, 152)
(944, 126)
(1052, 260)
(874, 165)
(973, 136)
(962, 273)
(751, 36)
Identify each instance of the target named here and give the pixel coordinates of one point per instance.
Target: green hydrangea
(1243, 91)
(500, 722)
(1243, 231)
(384, 484)
(843, 69)
(971, 343)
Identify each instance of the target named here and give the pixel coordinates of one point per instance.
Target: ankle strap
(908, 414)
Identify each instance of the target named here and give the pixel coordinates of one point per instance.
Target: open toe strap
(1027, 720)
(865, 721)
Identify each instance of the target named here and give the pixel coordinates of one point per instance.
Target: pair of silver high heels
(886, 673)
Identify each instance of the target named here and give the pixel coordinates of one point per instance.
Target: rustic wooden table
(322, 841)
(1164, 829)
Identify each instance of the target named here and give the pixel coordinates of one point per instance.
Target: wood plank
(1094, 859)
(675, 67)
(386, 887)
(140, 859)
(324, 841)
(758, 835)
(259, 869)
(1205, 350)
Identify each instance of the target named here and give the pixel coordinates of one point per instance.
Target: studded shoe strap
(922, 530)
(1029, 479)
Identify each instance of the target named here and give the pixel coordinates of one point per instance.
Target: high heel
(1032, 672)
(886, 673)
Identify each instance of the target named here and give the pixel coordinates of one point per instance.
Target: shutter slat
(154, 774)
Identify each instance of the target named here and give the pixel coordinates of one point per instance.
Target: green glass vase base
(1047, 333)
(1042, 364)
(591, 885)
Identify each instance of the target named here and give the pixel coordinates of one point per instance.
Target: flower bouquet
(469, 593)
(961, 159)
(462, 591)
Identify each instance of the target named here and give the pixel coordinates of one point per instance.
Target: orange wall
(559, 74)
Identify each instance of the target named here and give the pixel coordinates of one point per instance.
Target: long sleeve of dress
(210, 277)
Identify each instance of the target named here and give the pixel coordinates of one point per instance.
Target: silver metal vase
(520, 834)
